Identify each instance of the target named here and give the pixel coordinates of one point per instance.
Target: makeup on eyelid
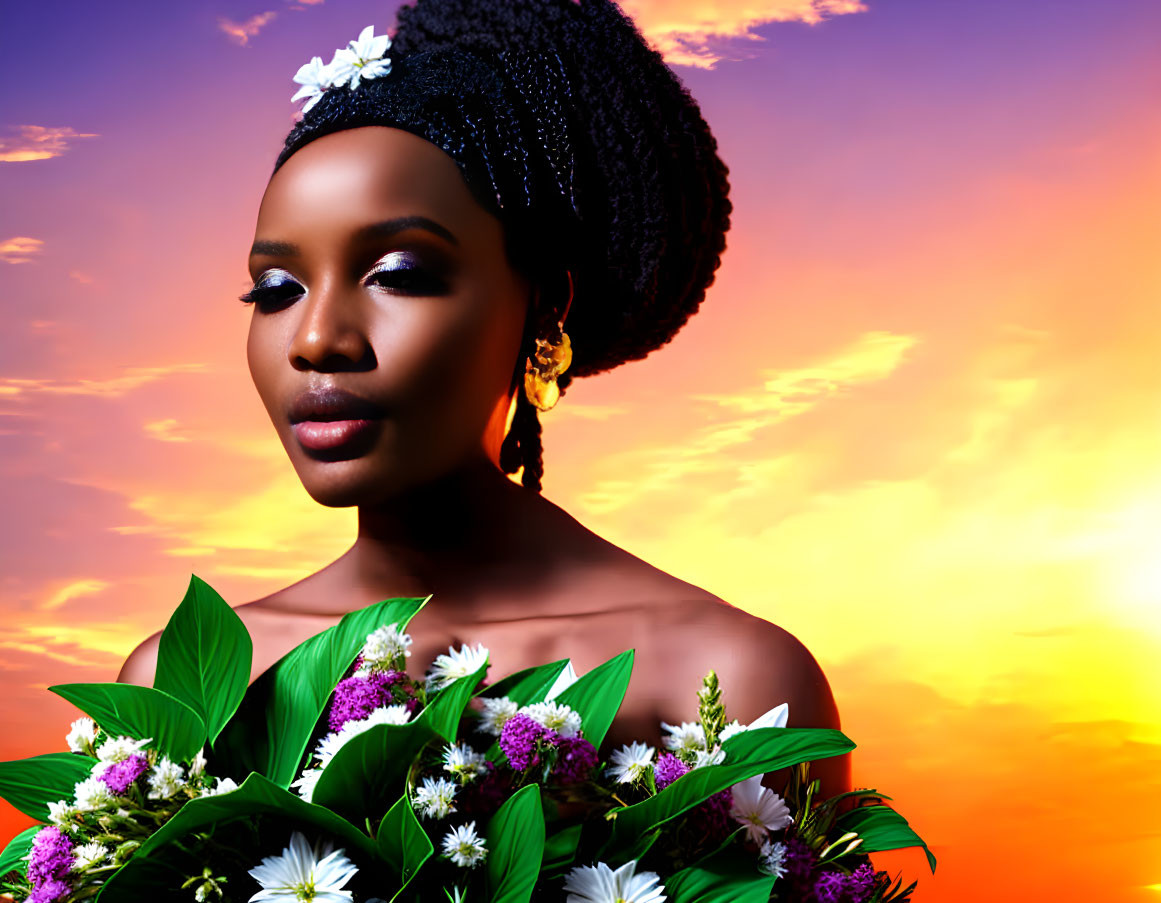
(416, 278)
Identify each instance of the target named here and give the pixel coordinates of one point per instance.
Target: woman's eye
(273, 291)
(402, 274)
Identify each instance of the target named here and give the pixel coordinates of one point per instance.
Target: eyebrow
(385, 229)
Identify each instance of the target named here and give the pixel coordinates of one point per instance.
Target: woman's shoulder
(681, 631)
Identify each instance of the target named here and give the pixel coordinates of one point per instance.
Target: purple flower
(357, 697)
(52, 891)
(576, 758)
(119, 776)
(712, 818)
(799, 861)
(668, 769)
(519, 739)
(861, 883)
(51, 855)
(830, 887)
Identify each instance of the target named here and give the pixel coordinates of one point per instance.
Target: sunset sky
(917, 421)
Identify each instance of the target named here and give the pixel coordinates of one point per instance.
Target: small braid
(522, 446)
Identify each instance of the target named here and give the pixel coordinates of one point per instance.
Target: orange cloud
(242, 32)
(165, 430)
(684, 31)
(72, 590)
(36, 142)
(19, 249)
(717, 446)
(15, 387)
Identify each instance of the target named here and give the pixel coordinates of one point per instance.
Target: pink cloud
(112, 387)
(242, 32)
(19, 249)
(685, 32)
(37, 142)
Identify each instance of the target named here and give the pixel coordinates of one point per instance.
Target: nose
(331, 335)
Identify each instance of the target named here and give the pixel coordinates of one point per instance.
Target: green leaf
(31, 784)
(515, 840)
(730, 876)
(597, 695)
(882, 828)
(12, 859)
(204, 656)
(370, 770)
(560, 851)
(256, 796)
(752, 752)
(443, 713)
(527, 686)
(271, 730)
(140, 712)
(403, 842)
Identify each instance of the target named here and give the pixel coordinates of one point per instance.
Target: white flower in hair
(361, 59)
(315, 79)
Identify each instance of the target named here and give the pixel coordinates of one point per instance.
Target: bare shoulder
(141, 663)
(758, 663)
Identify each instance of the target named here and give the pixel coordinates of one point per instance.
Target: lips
(334, 424)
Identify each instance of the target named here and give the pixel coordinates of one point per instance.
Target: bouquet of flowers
(336, 776)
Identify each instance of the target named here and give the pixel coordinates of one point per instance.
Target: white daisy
(687, 737)
(464, 762)
(758, 808)
(776, 717)
(92, 794)
(387, 714)
(435, 798)
(81, 735)
(556, 717)
(88, 855)
(64, 814)
(565, 679)
(119, 749)
(601, 884)
(165, 780)
(464, 846)
(630, 762)
(329, 745)
(454, 665)
(198, 766)
(495, 713)
(304, 873)
(362, 58)
(384, 647)
(772, 858)
(224, 785)
(306, 783)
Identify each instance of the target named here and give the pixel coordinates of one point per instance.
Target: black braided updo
(570, 129)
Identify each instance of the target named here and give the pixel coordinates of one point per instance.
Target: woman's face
(387, 318)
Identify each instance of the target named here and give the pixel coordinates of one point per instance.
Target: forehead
(352, 177)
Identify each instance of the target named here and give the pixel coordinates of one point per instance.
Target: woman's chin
(345, 484)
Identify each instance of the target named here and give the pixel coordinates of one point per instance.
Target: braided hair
(572, 130)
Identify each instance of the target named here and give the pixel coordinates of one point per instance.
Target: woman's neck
(453, 536)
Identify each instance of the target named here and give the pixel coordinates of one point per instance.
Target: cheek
(262, 357)
(456, 357)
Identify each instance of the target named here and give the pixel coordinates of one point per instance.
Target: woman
(452, 205)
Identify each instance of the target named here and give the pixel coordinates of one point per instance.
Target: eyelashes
(277, 288)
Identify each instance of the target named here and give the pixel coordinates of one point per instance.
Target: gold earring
(552, 357)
